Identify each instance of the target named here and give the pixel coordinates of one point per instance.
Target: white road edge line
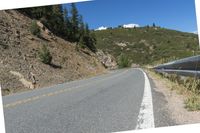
(146, 116)
(2, 121)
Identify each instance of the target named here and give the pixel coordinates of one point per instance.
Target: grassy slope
(148, 45)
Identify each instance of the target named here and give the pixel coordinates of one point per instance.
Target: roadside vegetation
(187, 86)
(123, 61)
(45, 55)
(35, 29)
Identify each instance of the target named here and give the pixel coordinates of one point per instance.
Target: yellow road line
(52, 93)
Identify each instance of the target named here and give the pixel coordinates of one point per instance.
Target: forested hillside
(67, 24)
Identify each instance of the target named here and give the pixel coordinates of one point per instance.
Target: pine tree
(154, 25)
(87, 39)
(74, 22)
(66, 28)
(35, 29)
(65, 14)
(56, 21)
(70, 27)
(81, 27)
(87, 31)
(45, 55)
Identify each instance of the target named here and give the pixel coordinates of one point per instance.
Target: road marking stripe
(6, 106)
(146, 116)
(56, 92)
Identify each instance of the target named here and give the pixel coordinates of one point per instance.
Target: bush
(45, 55)
(35, 29)
(82, 42)
(88, 41)
(192, 84)
(123, 61)
(192, 103)
(174, 78)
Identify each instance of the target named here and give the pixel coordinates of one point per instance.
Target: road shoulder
(174, 102)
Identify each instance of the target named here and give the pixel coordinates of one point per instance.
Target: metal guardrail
(185, 67)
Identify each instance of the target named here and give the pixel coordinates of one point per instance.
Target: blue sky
(172, 14)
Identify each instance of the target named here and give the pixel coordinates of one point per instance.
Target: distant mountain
(147, 45)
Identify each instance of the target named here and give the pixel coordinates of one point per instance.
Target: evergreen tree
(56, 20)
(70, 27)
(87, 39)
(154, 25)
(45, 55)
(81, 27)
(74, 22)
(87, 31)
(35, 29)
(66, 28)
(65, 14)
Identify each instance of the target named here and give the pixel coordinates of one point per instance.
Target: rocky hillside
(148, 45)
(20, 66)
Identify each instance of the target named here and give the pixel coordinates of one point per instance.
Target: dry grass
(188, 87)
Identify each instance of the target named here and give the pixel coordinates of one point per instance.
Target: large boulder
(107, 60)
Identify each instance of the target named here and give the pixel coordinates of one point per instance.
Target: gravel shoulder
(174, 102)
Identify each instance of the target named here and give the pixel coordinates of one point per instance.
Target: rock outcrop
(107, 60)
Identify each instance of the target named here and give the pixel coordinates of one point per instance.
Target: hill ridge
(148, 45)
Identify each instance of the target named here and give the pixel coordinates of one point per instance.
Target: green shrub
(192, 103)
(82, 42)
(45, 55)
(35, 29)
(88, 41)
(174, 78)
(192, 84)
(123, 61)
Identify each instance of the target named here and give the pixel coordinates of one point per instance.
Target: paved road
(118, 101)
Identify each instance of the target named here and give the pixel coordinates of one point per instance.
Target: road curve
(107, 103)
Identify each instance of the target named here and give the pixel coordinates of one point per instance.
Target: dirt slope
(20, 67)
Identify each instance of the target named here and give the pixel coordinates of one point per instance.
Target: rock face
(121, 44)
(20, 66)
(26, 83)
(107, 60)
(133, 65)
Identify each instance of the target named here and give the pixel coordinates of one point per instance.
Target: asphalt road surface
(118, 101)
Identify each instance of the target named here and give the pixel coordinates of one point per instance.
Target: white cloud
(102, 28)
(195, 32)
(131, 25)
